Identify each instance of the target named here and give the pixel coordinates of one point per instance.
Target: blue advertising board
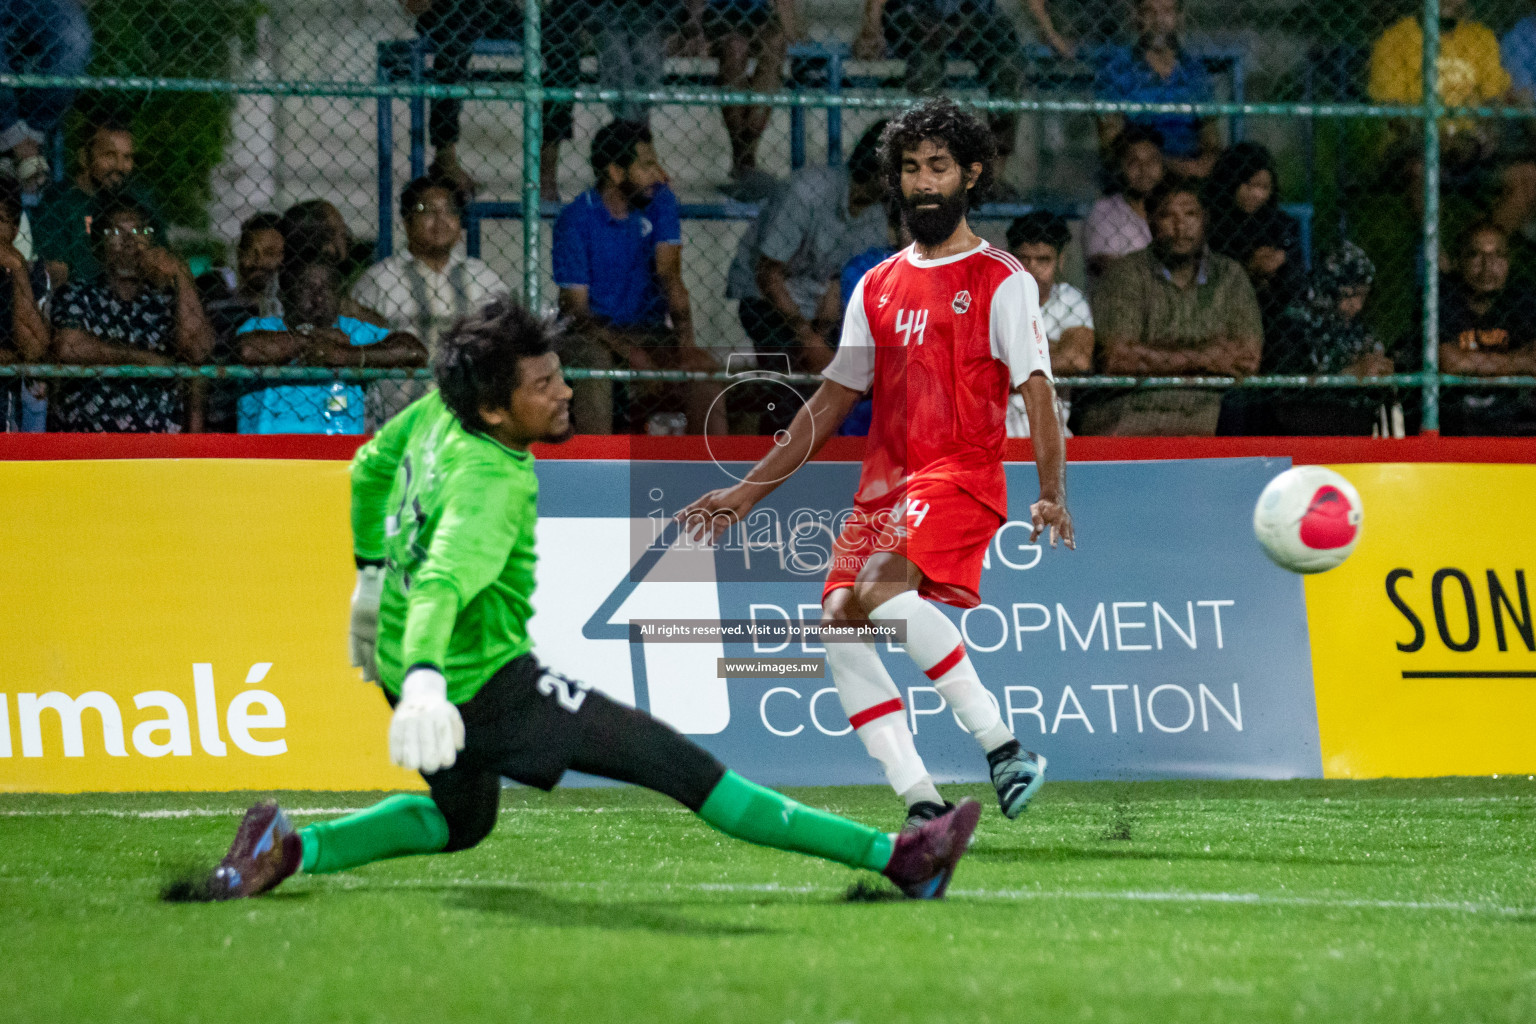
(1166, 645)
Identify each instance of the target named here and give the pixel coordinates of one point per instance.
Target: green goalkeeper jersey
(452, 515)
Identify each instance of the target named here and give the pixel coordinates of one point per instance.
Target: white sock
(935, 645)
(875, 709)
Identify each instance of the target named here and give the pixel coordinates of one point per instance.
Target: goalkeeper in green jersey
(444, 503)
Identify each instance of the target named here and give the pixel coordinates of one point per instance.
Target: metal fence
(273, 146)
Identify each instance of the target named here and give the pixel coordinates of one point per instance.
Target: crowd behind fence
(1250, 218)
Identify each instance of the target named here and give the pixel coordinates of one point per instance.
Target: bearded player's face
(539, 409)
(933, 191)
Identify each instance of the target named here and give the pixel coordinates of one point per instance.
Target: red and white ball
(1308, 519)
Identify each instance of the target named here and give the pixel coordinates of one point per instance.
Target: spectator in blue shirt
(1157, 70)
(311, 332)
(618, 263)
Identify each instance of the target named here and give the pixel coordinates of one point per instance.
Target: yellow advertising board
(182, 625)
(1423, 654)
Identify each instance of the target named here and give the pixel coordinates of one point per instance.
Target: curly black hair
(476, 362)
(944, 121)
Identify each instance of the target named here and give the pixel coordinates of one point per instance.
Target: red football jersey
(942, 342)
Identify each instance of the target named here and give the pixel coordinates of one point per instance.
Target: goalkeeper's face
(539, 408)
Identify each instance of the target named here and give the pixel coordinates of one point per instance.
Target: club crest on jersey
(962, 302)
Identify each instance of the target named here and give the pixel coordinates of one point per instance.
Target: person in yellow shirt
(1470, 74)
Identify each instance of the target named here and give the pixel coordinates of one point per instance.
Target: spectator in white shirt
(1037, 240)
(1117, 224)
(425, 289)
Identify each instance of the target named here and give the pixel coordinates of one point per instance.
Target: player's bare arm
(1050, 512)
(816, 421)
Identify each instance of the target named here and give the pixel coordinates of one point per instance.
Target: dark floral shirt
(148, 321)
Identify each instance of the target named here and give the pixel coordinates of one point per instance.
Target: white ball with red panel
(1308, 519)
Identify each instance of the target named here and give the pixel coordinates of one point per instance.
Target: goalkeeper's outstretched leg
(531, 724)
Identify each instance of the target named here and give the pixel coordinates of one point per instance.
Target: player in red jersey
(942, 331)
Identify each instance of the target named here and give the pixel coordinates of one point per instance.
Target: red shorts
(936, 526)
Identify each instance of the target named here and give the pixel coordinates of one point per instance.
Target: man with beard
(61, 224)
(1176, 307)
(444, 519)
(618, 261)
(1157, 70)
(944, 331)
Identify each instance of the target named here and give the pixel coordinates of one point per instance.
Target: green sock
(759, 815)
(393, 827)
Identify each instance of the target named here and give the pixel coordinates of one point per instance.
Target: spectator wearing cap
(1158, 70)
(617, 260)
(24, 336)
(426, 289)
(61, 223)
(1038, 239)
(312, 331)
(1174, 308)
(1117, 224)
(1247, 224)
(142, 309)
(1487, 329)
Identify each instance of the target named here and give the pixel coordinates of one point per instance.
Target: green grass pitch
(1107, 902)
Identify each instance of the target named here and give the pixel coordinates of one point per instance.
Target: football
(1308, 519)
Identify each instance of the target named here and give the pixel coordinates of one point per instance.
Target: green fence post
(1431, 322)
(533, 134)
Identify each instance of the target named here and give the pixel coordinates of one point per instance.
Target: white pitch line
(297, 812)
(1246, 899)
(1251, 899)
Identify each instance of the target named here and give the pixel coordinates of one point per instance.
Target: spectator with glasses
(426, 289)
(142, 309)
(61, 224)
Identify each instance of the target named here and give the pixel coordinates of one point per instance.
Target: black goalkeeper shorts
(530, 724)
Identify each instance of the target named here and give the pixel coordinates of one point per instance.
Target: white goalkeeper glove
(426, 733)
(363, 633)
